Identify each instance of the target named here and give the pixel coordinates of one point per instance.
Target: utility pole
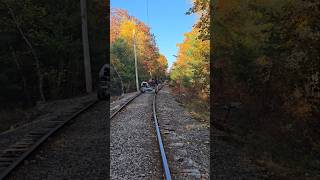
(85, 42)
(135, 59)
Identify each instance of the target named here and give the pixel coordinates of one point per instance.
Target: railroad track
(124, 105)
(17, 153)
(164, 161)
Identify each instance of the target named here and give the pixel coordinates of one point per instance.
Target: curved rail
(161, 147)
(14, 156)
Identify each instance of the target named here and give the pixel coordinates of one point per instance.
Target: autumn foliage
(190, 73)
(191, 69)
(266, 58)
(151, 64)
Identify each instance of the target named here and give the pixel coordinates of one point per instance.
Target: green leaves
(151, 64)
(191, 69)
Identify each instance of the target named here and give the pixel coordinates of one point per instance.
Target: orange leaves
(163, 61)
(115, 21)
(123, 26)
(162, 64)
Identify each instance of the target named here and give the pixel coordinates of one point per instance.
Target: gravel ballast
(186, 140)
(60, 109)
(77, 151)
(187, 144)
(133, 148)
(115, 105)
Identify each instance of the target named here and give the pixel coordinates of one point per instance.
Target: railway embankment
(39, 115)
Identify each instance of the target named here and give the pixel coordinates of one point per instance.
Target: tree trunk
(40, 76)
(24, 81)
(85, 42)
(60, 79)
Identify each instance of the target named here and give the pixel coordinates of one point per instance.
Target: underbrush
(9, 118)
(197, 107)
(286, 145)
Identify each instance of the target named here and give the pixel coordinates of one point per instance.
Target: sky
(167, 20)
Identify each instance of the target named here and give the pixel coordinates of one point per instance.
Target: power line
(147, 2)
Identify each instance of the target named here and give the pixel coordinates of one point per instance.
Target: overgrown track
(16, 154)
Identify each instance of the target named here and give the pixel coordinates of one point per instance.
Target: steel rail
(124, 105)
(22, 150)
(161, 147)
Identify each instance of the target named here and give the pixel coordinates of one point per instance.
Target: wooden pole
(85, 43)
(135, 59)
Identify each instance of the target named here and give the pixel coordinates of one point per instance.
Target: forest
(253, 63)
(190, 73)
(41, 54)
(265, 79)
(125, 30)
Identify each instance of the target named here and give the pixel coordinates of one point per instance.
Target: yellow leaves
(127, 27)
(163, 61)
(191, 68)
(130, 28)
(126, 30)
(162, 65)
(192, 50)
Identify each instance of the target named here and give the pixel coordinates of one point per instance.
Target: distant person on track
(156, 84)
(151, 83)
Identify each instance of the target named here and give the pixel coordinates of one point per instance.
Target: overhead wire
(147, 2)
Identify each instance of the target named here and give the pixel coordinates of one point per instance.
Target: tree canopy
(266, 57)
(41, 49)
(151, 64)
(191, 67)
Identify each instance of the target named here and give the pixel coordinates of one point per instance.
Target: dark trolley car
(102, 92)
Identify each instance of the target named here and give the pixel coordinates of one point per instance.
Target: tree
(150, 63)
(52, 67)
(266, 57)
(85, 42)
(202, 8)
(192, 65)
